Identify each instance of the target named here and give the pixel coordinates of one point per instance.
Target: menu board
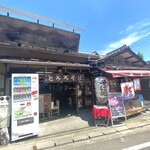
(116, 105)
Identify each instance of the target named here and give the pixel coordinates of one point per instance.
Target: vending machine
(25, 106)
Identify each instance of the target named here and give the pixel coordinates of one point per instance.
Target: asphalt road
(121, 141)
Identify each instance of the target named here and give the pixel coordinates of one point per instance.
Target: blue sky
(107, 24)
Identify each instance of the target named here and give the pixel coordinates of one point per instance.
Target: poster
(23, 111)
(137, 85)
(127, 90)
(116, 105)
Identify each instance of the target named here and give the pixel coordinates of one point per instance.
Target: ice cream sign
(127, 90)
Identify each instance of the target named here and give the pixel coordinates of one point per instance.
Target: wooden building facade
(64, 72)
(123, 65)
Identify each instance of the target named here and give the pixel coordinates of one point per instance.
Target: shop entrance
(65, 93)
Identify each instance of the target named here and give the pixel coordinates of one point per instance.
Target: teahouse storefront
(69, 92)
(52, 53)
(124, 72)
(128, 82)
(72, 86)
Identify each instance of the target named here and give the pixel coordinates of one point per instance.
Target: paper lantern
(101, 90)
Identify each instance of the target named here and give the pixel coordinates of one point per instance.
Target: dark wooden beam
(129, 57)
(136, 62)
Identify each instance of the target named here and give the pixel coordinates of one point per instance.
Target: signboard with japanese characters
(95, 72)
(52, 77)
(127, 90)
(116, 106)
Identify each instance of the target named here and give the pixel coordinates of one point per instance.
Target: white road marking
(138, 147)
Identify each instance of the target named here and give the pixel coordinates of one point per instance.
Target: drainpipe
(76, 92)
(5, 75)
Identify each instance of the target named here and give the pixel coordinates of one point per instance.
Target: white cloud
(133, 33)
(138, 26)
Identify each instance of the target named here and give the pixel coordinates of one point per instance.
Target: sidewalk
(75, 129)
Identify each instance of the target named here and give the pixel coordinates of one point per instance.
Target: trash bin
(4, 119)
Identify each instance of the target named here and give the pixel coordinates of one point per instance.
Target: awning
(129, 73)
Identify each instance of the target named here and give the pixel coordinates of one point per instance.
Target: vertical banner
(127, 90)
(137, 85)
(101, 90)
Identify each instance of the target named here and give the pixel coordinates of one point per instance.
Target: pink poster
(127, 90)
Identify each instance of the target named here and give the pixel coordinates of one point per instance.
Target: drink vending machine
(25, 106)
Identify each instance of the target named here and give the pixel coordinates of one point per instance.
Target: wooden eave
(114, 67)
(43, 63)
(51, 54)
(126, 53)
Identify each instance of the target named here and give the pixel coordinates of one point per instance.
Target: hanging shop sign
(137, 85)
(127, 90)
(52, 77)
(101, 90)
(95, 72)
